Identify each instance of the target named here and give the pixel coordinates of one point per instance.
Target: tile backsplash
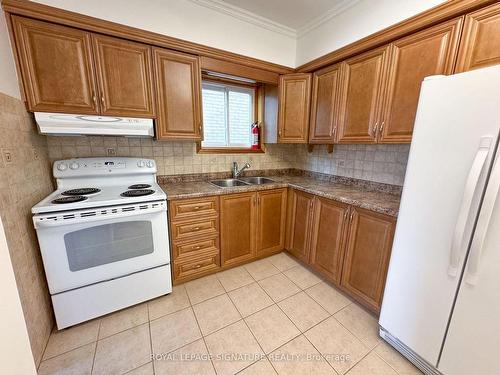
(379, 163)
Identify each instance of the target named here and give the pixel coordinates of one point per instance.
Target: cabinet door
(480, 44)
(56, 67)
(294, 104)
(367, 256)
(237, 223)
(124, 76)
(435, 49)
(324, 107)
(328, 237)
(363, 80)
(300, 207)
(271, 220)
(178, 89)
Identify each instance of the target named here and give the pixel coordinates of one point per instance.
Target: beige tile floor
(272, 316)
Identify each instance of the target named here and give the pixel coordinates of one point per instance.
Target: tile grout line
(151, 339)
(95, 349)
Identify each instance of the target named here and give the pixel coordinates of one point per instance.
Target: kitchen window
(229, 110)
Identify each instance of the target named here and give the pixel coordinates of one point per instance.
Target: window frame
(238, 86)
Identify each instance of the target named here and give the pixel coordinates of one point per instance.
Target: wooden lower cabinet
(328, 237)
(252, 225)
(271, 221)
(349, 246)
(238, 223)
(367, 254)
(300, 220)
(194, 232)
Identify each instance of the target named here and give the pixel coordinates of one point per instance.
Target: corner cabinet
(294, 107)
(367, 255)
(325, 105)
(56, 66)
(480, 44)
(178, 88)
(300, 223)
(435, 49)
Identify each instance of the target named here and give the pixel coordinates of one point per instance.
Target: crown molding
(247, 16)
(318, 21)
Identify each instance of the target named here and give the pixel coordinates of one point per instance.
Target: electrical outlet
(7, 156)
(36, 156)
(110, 151)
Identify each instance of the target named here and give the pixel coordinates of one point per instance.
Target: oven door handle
(41, 222)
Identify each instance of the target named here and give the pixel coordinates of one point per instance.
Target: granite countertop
(359, 196)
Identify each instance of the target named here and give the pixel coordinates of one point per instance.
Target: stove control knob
(62, 166)
(150, 164)
(141, 163)
(74, 166)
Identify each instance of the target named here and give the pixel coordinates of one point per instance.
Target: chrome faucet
(236, 171)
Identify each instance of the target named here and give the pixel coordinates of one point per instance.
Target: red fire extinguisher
(255, 136)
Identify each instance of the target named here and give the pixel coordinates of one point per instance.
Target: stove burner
(81, 191)
(137, 193)
(72, 199)
(139, 186)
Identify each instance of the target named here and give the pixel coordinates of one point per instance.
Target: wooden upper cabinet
(324, 107)
(328, 237)
(178, 89)
(429, 52)
(367, 256)
(238, 224)
(294, 107)
(480, 44)
(300, 211)
(363, 81)
(271, 220)
(124, 75)
(56, 67)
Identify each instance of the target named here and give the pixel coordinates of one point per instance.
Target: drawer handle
(197, 247)
(197, 228)
(197, 266)
(197, 207)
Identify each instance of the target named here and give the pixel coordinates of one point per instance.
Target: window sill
(228, 150)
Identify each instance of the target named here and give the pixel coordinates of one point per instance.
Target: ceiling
(291, 17)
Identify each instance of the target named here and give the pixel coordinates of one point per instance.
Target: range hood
(68, 124)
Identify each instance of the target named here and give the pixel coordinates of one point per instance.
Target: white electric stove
(103, 236)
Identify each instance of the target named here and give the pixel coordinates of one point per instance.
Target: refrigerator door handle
(469, 192)
(483, 223)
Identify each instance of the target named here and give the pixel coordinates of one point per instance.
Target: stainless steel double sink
(242, 181)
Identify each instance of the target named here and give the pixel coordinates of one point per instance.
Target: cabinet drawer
(198, 265)
(193, 228)
(194, 208)
(187, 249)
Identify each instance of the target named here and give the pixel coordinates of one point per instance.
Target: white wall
(8, 76)
(15, 351)
(186, 20)
(363, 19)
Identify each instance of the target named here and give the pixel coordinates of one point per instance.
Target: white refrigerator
(441, 306)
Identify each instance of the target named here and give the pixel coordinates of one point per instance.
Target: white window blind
(228, 114)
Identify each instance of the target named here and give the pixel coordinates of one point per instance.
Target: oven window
(103, 244)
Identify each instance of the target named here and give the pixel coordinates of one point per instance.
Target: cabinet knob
(198, 266)
(196, 228)
(197, 247)
(197, 207)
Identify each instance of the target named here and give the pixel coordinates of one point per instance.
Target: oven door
(89, 246)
